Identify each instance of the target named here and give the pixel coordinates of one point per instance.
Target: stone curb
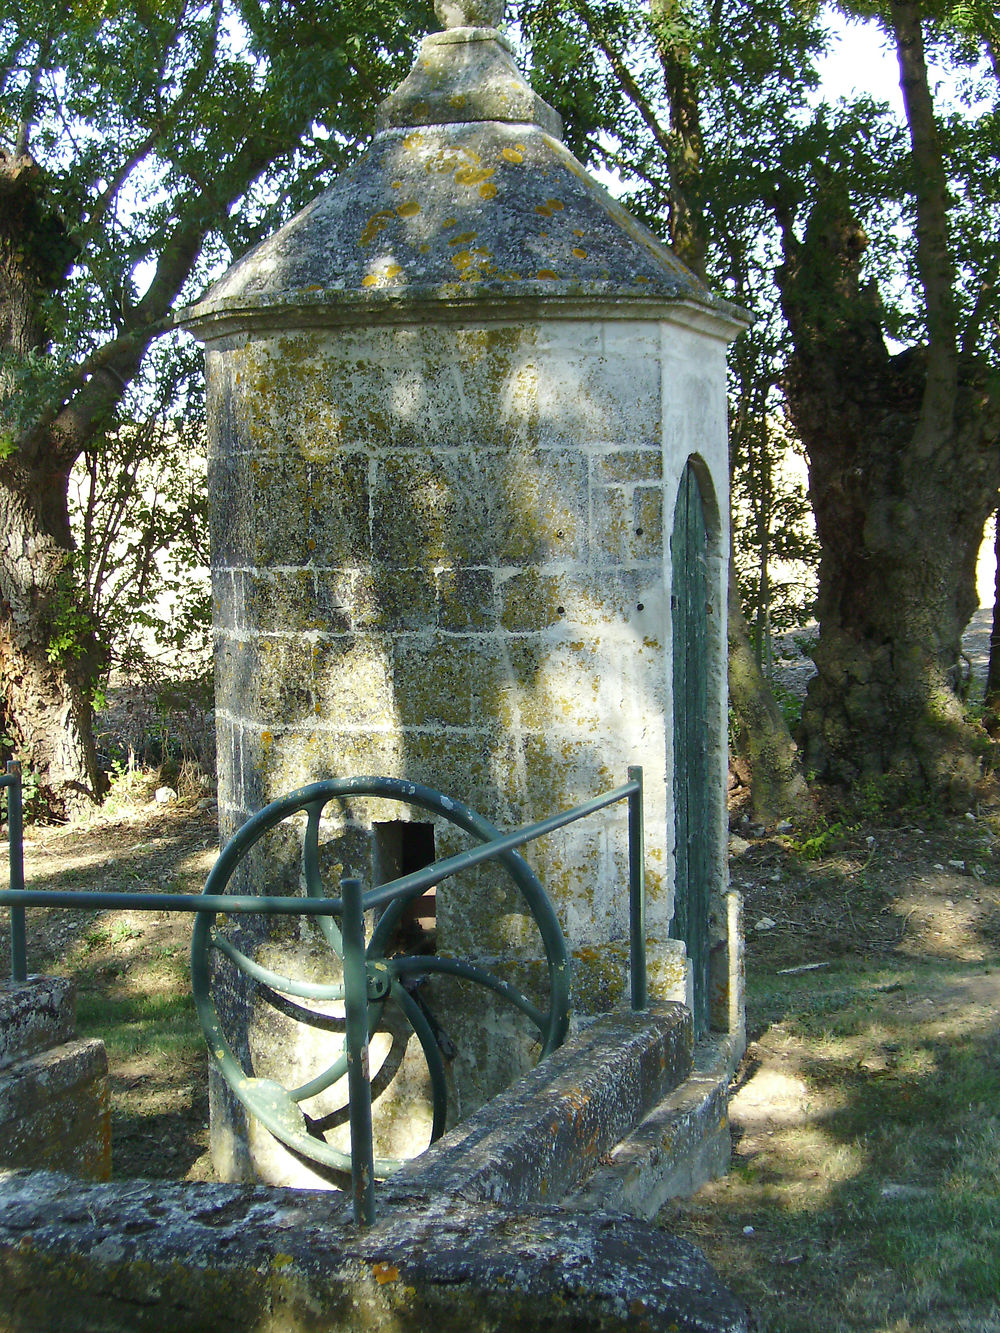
(680, 1145)
(538, 1139)
(134, 1257)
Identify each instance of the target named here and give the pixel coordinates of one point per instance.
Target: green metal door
(689, 608)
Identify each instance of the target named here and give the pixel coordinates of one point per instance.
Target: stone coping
(140, 1256)
(462, 1241)
(538, 1139)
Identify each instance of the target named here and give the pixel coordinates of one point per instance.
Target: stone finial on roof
(470, 13)
(466, 73)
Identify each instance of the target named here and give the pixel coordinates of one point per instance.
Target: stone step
(546, 1134)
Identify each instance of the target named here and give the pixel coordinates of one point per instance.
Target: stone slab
(127, 1258)
(547, 1132)
(55, 1111)
(34, 1015)
(681, 1144)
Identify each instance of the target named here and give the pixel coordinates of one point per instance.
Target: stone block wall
(441, 553)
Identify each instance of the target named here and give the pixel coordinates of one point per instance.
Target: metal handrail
(15, 854)
(350, 907)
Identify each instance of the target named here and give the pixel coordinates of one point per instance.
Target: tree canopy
(143, 146)
(867, 247)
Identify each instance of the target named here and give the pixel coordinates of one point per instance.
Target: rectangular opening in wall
(402, 846)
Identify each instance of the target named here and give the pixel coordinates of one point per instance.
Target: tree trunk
(992, 691)
(48, 653)
(900, 506)
(777, 787)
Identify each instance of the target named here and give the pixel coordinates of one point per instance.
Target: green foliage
(71, 624)
(167, 139)
(789, 703)
(820, 841)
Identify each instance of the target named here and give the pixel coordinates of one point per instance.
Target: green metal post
(637, 894)
(15, 838)
(359, 1090)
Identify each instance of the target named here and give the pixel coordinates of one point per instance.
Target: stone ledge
(680, 1145)
(133, 1257)
(34, 1015)
(546, 1133)
(55, 1110)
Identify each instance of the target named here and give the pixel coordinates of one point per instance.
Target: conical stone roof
(466, 194)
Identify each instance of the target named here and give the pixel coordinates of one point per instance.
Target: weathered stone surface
(129, 1258)
(682, 1143)
(34, 1015)
(450, 404)
(55, 1110)
(545, 1133)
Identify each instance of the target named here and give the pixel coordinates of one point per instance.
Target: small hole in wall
(401, 847)
(641, 606)
(638, 532)
(560, 610)
(560, 533)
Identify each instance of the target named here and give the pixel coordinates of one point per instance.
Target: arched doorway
(693, 819)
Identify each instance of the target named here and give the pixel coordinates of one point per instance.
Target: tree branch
(934, 262)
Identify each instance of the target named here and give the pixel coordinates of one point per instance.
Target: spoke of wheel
(305, 990)
(432, 1053)
(457, 967)
(314, 881)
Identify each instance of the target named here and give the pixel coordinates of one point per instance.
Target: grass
(870, 1199)
(163, 1025)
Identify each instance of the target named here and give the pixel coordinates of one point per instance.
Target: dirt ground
(921, 887)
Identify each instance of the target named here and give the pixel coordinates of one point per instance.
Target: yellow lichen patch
(643, 279)
(456, 99)
(413, 141)
(449, 222)
(512, 155)
(425, 249)
(556, 205)
(396, 185)
(385, 1273)
(463, 238)
(462, 260)
(546, 275)
(580, 254)
(409, 209)
(577, 232)
(544, 210)
(382, 275)
(376, 223)
(488, 190)
(473, 175)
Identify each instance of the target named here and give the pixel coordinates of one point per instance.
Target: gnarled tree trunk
(900, 505)
(48, 655)
(904, 469)
(48, 652)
